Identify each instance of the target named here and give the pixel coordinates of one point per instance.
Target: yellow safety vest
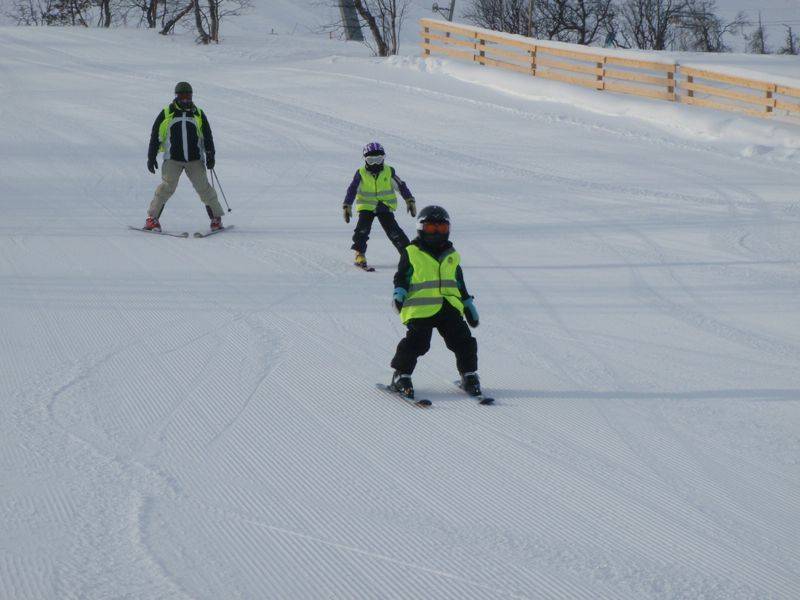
(169, 115)
(432, 282)
(372, 190)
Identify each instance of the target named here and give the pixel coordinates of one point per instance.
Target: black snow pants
(387, 221)
(452, 327)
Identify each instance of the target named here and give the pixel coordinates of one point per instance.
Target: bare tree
(578, 21)
(582, 21)
(512, 16)
(701, 30)
(208, 16)
(168, 23)
(200, 22)
(385, 19)
(51, 12)
(791, 45)
(757, 41)
(650, 24)
(142, 11)
(28, 12)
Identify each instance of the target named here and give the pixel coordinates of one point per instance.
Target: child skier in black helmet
(374, 190)
(430, 293)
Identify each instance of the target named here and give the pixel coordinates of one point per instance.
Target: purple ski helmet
(374, 149)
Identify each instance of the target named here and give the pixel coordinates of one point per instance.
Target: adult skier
(374, 190)
(430, 293)
(182, 132)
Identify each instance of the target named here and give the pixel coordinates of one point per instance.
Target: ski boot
(152, 224)
(360, 260)
(471, 383)
(401, 383)
(216, 223)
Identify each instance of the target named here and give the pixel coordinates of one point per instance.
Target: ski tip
(421, 403)
(486, 401)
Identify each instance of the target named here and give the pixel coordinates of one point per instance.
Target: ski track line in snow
(142, 413)
(309, 393)
(644, 519)
(642, 450)
(683, 313)
(659, 471)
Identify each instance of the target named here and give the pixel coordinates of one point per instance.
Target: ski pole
(214, 176)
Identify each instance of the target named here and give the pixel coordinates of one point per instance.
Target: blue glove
(470, 313)
(399, 297)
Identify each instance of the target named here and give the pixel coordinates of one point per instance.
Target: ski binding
(421, 403)
(481, 398)
(203, 234)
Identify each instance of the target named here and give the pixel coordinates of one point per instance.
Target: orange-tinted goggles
(436, 227)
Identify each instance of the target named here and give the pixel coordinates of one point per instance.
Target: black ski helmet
(183, 87)
(433, 214)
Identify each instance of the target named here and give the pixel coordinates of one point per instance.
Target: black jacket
(402, 279)
(179, 151)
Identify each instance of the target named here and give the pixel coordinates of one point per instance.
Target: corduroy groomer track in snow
(198, 418)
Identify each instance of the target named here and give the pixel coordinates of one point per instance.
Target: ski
(183, 234)
(481, 398)
(366, 268)
(421, 403)
(203, 234)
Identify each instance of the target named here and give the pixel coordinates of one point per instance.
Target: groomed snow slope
(188, 418)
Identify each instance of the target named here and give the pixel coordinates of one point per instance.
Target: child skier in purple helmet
(374, 190)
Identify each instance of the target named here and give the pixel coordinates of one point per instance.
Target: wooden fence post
(427, 51)
(690, 79)
(482, 52)
(533, 60)
(771, 97)
(601, 76)
(671, 84)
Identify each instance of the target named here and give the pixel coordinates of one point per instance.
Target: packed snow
(198, 418)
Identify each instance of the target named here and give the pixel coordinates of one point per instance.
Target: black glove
(152, 165)
(348, 212)
(210, 162)
(411, 206)
(470, 313)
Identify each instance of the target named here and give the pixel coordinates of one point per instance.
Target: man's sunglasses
(436, 227)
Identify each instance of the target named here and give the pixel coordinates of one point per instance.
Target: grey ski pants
(196, 172)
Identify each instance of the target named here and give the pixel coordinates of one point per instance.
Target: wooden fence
(594, 69)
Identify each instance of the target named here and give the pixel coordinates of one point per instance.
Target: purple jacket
(398, 184)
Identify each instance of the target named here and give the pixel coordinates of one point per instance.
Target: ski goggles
(436, 227)
(375, 159)
(184, 96)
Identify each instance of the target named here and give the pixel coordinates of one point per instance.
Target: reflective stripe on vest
(170, 120)
(372, 190)
(432, 282)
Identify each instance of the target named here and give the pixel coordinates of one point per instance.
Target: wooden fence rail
(594, 69)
